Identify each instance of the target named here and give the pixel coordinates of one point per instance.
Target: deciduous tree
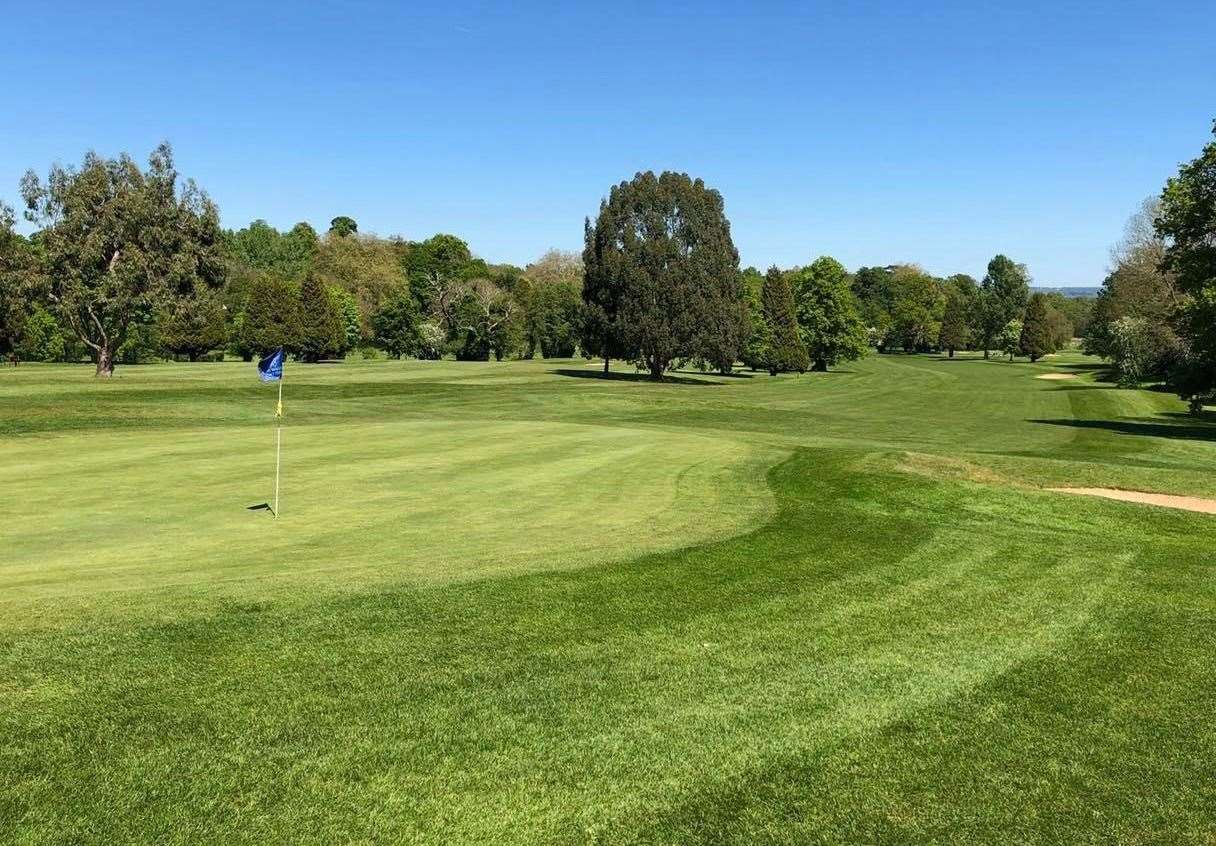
(121, 244)
(1003, 296)
(832, 329)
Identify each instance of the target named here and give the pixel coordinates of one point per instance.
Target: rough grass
(510, 605)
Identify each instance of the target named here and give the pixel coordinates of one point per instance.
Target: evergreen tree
(1038, 333)
(271, 317)
(320, 326)
(662, 275)
(831, 327)
(194, 325)
(956, 330)
(785, 351)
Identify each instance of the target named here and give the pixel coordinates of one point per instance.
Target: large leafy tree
(662, 274)
(1188, 220)
(832, 329)
(874, 289)
(342, 226)
(397, 325)
(21, 284)
(366, 267)
(1003, 297)
(957, 326)
(121, 244)
(918, 307)
(784, 350)
(551, 294)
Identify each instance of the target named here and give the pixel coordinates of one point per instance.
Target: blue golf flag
(270, 368)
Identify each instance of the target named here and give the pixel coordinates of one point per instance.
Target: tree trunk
(656, 368)
(105, 362)
(820, 366)
(952, 352)
(985, 354)
(605, 365)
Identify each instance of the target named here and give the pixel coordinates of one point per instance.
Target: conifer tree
(1038, 335)
(320, 326)
(785, 351)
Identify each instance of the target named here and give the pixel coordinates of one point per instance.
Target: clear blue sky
(932, 132)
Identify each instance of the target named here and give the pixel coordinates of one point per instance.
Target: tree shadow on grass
(1196, 429)
(631, 377)
(734, 374)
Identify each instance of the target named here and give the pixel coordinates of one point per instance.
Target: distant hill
(1074, 292)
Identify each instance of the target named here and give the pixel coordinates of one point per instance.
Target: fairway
(516, 602)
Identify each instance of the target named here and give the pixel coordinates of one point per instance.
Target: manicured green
(517, 603)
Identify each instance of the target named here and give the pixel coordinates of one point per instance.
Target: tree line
(129, 262)
(1155, 316)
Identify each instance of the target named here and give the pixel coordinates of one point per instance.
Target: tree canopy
(662, 274)
(122, 243)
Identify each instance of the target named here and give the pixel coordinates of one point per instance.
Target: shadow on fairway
(1197, 430)
(631, 377)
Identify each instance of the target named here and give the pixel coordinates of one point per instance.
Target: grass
(508, 604)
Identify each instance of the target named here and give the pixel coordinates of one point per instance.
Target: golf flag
(270, 368)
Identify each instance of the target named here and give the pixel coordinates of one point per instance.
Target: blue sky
(939, 133)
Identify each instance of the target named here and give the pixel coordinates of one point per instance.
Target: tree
(918, 307)
(321, 330)
(662, 274)
(272, 317)
(1003, 296)
(1009, 339)
(441, 256)
(350, 324)
(1039, 336)
(397, 326)
(551, 294)
(261, 247)
(872, 286)
(957, 326)
(194, 325)
(342, 226)
(784, 351)
(1131, 350)
(41, 337)
(365, 266)
(1188, 220)
(1139, 287)
(831, 328)
(21, 284)
(122, 244)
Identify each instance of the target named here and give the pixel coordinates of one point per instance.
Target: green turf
(513, 603)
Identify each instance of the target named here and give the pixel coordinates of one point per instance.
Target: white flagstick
(278, 446)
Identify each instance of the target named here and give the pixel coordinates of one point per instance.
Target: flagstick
(278, 448)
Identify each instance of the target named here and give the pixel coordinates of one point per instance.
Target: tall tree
(21, 284)
(397, 325)
(193, 326)
(874, 290)
(272, 317)
(321, 330)
(121, 244)
(1003, 296)
(785, 350)
(955, 333)
(342, 226)
(831, 327)
(1038, 337)
(918, 307)
(1188, 220)
(662, 273)
(551, 294)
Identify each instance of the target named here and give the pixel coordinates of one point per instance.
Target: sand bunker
(1054, 376)
(1186, 503)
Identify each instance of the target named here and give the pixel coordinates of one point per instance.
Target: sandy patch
(1054, 376)
(1186, 503)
